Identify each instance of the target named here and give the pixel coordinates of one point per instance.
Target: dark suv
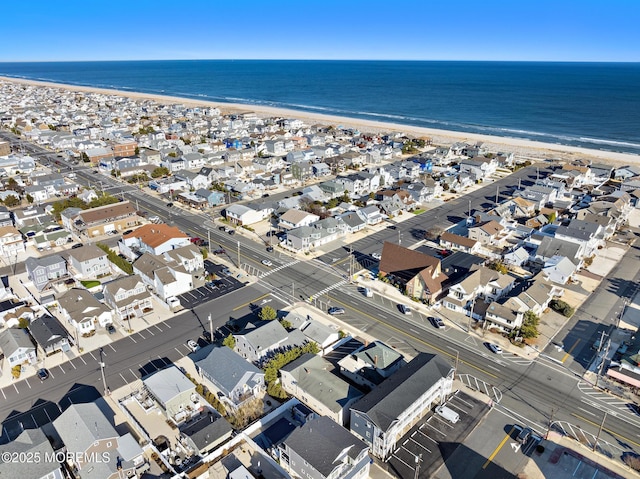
(524, 435)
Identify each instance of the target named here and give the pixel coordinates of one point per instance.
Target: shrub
(562, 307)
(267, 313)
(632, 460)
(15, 371)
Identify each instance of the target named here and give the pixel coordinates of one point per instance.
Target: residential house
(626, 172)
(89, 262)
(384, 415)
(353, 221)
(6, 216)
(538, 194)
(174, 392)
(310, 379)
(46, 271)
(256, 343)
(166, 277)
(516, 257)
(322, 449)
(307, 238)
(82, 310)
(30, 443)
(550, 246)
(479, 167)
(582, 232)
(418, 273)
(601, 172)
(302, 170)
(93, 447)
(559, 269)
(372, 215)
(243, 215)
(50, 335)
(102, 220)
(31, 215)
(486, 233)
(11, 243)
(16, 347)
(232, 378)
(152, 238)
(213, 198)
(371, 364)
(459, 243)
(294, 218)
(481, 283)
(128, 297)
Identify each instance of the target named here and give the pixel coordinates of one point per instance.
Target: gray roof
(80, 303)
(13, 339)
(320, 442)
(86, 252)
(227, 368)
(379, 355)
(313, 376)
(208, 430)
(47, 330)
(167, 384)
(32, 442)
(32, 263)
(557, 247)
(393, 396)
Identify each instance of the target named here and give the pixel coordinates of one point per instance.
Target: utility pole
(456, 366)
(595, 444)
(473, 305)
(209, 240)
(546, 435)
(238, 253)
(293, 290)
(211, 326)
(350, 263)
(104, 380)
(418, 459)
(604, 357)
(497, 194)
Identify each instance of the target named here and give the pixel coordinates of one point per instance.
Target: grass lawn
(90, 284)
(418, 212)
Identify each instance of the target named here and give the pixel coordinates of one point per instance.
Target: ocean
(592, 105)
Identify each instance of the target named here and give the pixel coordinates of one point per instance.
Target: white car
(266, 262)
(192, 345)
(404, 309)
(495, 348)
(377, 256)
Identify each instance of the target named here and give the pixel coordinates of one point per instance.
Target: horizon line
(320, 60)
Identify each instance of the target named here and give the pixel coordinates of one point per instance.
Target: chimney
(375, 360)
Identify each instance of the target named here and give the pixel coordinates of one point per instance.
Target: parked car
(377, 256)
(111, 328)
(192, 345)
(43, 374)
(169, 205)
(404, 309)
(335, 310)
(524, 435)
(269, 249)
(232, 231)
(495, 348)
(222, 228)
(227, 271)
(206, 335)
(77, 245)
(127, 232)
(219, 251)
(436, 322)
(266, 262)
(368, 293)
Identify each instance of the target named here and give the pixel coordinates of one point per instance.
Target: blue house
(233, 143)
(214, 198)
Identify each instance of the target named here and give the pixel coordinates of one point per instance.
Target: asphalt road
(532, 392)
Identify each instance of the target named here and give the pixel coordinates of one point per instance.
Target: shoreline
(519, 146)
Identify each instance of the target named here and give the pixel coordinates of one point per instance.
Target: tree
(11, 200)
(552, 217)
(498, 266)
(267, 313)
(23, 323)
(29, 198)
(84, 157)
(286, 324)
(204, 252)
(229, 341)
(159, 171)
(529, 328)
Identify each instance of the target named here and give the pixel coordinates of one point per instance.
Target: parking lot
(434, 439)
(212, 290)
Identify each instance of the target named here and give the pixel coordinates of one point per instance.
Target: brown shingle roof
(457, 239)
(404, 262)
(102, 213)
(155, 235)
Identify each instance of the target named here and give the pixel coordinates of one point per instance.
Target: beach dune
(519, 146)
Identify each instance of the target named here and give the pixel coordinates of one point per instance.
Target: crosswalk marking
(326, 290)
(271, 271)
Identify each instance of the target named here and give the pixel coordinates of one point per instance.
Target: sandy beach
(520, 147)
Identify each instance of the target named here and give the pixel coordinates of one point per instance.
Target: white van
(368, 293)
(448, 414)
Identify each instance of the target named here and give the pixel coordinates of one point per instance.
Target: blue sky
(558, 30)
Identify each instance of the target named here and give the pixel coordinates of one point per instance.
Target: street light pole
(595, 444)
(104, 380)
(211, 326)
